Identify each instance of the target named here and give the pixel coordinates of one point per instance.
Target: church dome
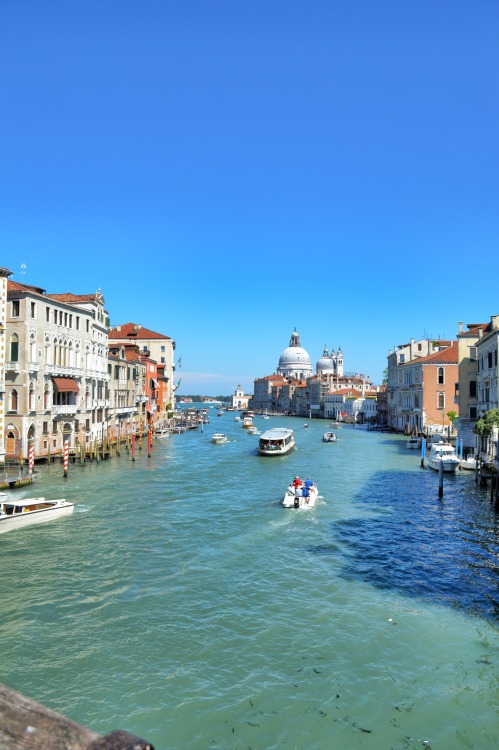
(325, 364)
(295, 361)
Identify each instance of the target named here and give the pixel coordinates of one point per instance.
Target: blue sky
(226, 171)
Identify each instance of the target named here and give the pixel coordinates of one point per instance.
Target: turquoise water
(181, 601)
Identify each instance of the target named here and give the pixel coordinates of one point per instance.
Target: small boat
(443, 453)
(329, 437)
(306, 426)
(252, 430)
(302, 495)
(220, 413)
(276, 442)
(413, 443)
(265, 416)
(162, 432)
(247, 422)
(18, 513)
(219, 437)
(237, 419)
(469, 462)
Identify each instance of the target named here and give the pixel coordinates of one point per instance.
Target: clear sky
(225, 171)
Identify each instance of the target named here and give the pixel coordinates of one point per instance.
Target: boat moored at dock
(443, 453)
(276, 442)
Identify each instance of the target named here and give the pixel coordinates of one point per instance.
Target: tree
(452, 416)
(489, 420)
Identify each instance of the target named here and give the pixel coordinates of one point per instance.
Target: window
(55, 317)
(441, 401)
(472, 388)
(14, 400)
(77, 322)
(162, 360)
(15, 308)
(472, 353)
(472, 412)
(440, 376)
(88, 326)
(14, 348)
(47, 314)
(489, 359)
(33, 309)
(163, 348)
(65, 319)
(45, 427)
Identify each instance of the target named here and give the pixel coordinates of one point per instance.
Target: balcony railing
(64, 409)
(33, 366)
(12, 367)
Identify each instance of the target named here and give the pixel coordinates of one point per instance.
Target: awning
(66, 385)
(154, 383)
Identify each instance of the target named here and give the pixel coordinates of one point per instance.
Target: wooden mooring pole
(27, 725)
(441, 479)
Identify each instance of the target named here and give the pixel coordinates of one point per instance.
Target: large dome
(295, 362)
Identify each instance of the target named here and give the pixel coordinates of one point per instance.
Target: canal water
(183, 603)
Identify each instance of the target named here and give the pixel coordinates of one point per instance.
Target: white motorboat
(329, 437)
(469, 462)
(18, 513)
(252, 430)
(413, 443)
(276, 442)
(443, 453)
(237, 419)
(162, 432)
(247, 422)
(219, 437)
(301, 495)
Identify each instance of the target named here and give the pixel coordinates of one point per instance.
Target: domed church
(295, 362)
(330, 364)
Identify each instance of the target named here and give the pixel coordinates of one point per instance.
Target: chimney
(494, 322)
(460, 326)
(118, 328)
(480, 333)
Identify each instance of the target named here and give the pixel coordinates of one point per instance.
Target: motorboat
(413, 443)
(252, 430)
(276, 442)
(219, 437)
(302, 495)
(247, 422)
(443, 453)
(306, 426)
(220, 413)
(329, 437)
(161, 432)
(469, 462)
(18, 513)
(237, 419)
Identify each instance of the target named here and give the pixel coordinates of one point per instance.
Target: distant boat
(329, 437)
(414, 443)
(219, 437)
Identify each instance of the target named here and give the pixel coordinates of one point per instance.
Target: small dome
(325, 364)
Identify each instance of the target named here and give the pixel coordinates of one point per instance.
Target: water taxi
(18, 513)
(247, 422)
(276, 442)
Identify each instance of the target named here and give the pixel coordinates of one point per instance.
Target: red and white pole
(66, 457)
(31, 458)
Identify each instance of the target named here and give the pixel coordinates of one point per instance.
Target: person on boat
(305, 493)
(308, 484)
(296, 482)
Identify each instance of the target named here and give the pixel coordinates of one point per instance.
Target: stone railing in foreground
(26, 725)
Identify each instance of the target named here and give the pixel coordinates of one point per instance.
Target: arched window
(46, 398)
(441, 376)
(31, 398)
(14, 400)
(14, 348)
(441, 401)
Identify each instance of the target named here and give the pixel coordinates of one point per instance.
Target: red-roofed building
(422, 381)
(153, 346)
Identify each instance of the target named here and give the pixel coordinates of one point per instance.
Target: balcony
(33, 367)
(64, 410)
(100, 403)
(12, 367)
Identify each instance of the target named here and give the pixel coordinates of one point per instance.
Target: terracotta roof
(346, 392)
(132, 331)
(15, 286)
(444, 356)
(472, 331)
(74, 298)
